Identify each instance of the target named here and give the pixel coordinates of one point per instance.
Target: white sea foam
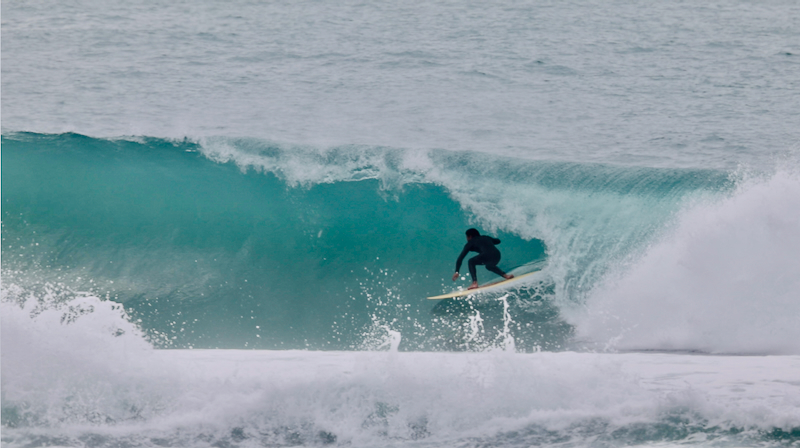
(726, 278)
(71, 380)
(78, 361)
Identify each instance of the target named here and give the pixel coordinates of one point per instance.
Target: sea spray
(724, 279)
(475, 323)
(77, 360)
(506, 338)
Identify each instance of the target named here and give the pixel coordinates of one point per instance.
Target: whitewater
(221, 221)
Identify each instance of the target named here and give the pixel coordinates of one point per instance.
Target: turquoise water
(221, 221)
(248, 260)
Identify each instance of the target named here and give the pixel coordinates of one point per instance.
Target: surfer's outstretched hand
(455, 276)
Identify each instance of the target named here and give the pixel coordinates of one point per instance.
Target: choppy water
(296, 178)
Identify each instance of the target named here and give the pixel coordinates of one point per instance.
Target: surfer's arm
(461, 257)
(495, 241)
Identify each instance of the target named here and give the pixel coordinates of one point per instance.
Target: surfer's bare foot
(508, 276)
(473, 285)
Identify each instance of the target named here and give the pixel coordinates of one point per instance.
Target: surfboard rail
(485, 288)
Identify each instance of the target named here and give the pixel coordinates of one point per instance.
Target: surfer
(488, 255)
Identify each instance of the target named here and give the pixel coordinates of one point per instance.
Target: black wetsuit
(487, 255)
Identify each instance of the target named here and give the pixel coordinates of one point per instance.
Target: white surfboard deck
(485, 288)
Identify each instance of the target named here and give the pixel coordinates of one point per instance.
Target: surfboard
(485, 288)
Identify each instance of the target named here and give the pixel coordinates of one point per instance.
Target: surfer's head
(472, 233)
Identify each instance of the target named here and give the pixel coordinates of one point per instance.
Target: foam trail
(726, 278)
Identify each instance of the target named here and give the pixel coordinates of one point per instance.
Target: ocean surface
(221, 221)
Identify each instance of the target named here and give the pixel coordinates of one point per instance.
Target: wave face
(237, 243)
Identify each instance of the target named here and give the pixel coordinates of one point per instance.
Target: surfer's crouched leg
(495, 269)
(499, 272)
(474, 261)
